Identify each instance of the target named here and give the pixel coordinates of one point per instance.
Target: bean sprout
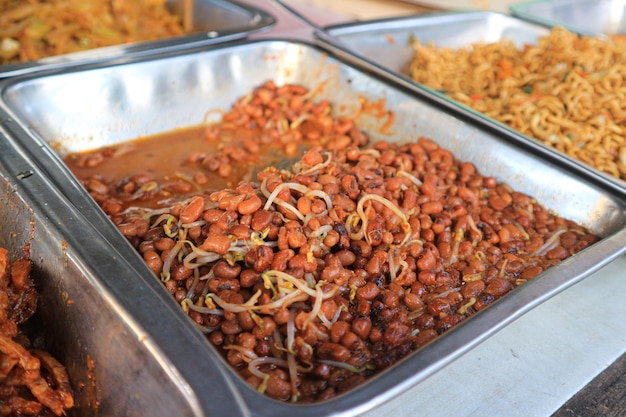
(464, 307)
(551, 243)
(292, 297)
(346, 366)
(521, 229)
(293, 376)
(302, 286)
(317, 306)
(394, 266)
(207, 119)
(167, 263)
(322, 230)
(248, 354)
(253, 367)
(472, 225)
(187, 305)
(329, 323)
(314, 168)
(364, 219)
(272, 198)
(411, 177)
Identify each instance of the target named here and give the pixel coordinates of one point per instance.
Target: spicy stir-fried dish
(35, 29)
(313, 276)
(32, 382)
(567, 91)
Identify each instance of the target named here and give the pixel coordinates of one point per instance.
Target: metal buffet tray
(213, 21)
(389, 42)
(126, 352)
(593, 17)
(53, 114)
(384, 47)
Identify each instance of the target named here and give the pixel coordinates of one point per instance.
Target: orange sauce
(166, 158)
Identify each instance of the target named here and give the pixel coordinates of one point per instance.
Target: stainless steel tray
(593, 17)
(212, 21)
(92, 107)
(385, 47)
(125, 350)
(389, 42)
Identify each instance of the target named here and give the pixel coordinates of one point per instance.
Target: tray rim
(448, 15)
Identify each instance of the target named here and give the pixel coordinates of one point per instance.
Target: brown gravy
(176, 161)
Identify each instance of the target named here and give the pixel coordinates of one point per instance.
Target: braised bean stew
(312, 276)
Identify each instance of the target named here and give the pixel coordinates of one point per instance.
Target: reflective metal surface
(108, 105)
(389, 42)
(126, 352)
(593, 17)
(212, 21)
(384, 46)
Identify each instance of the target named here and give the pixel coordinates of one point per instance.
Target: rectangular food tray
(593, 17)
(90, 304)
(385, 46)
(52, 115)
(212, 21)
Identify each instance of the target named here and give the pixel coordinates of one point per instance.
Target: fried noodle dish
(568, 91)
(35, 29)
(314, 277)
(32, 382)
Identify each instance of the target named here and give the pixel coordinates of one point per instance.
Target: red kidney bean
(362, 326)
(395, 333)
(334, 351)
(223, 270)
(427, 261)
(432, 207)
(249, 205)
(278, 387)
(498, 287)
(192, 210)
(368, 292)
(261, 219)
(559, 253)
(531, 272)
(473, 289)
(439, 307)
(216, 242)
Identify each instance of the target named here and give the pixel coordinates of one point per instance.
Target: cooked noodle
(567, 91)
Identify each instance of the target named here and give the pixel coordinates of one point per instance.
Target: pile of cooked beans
(32, 382)
(312, 278)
